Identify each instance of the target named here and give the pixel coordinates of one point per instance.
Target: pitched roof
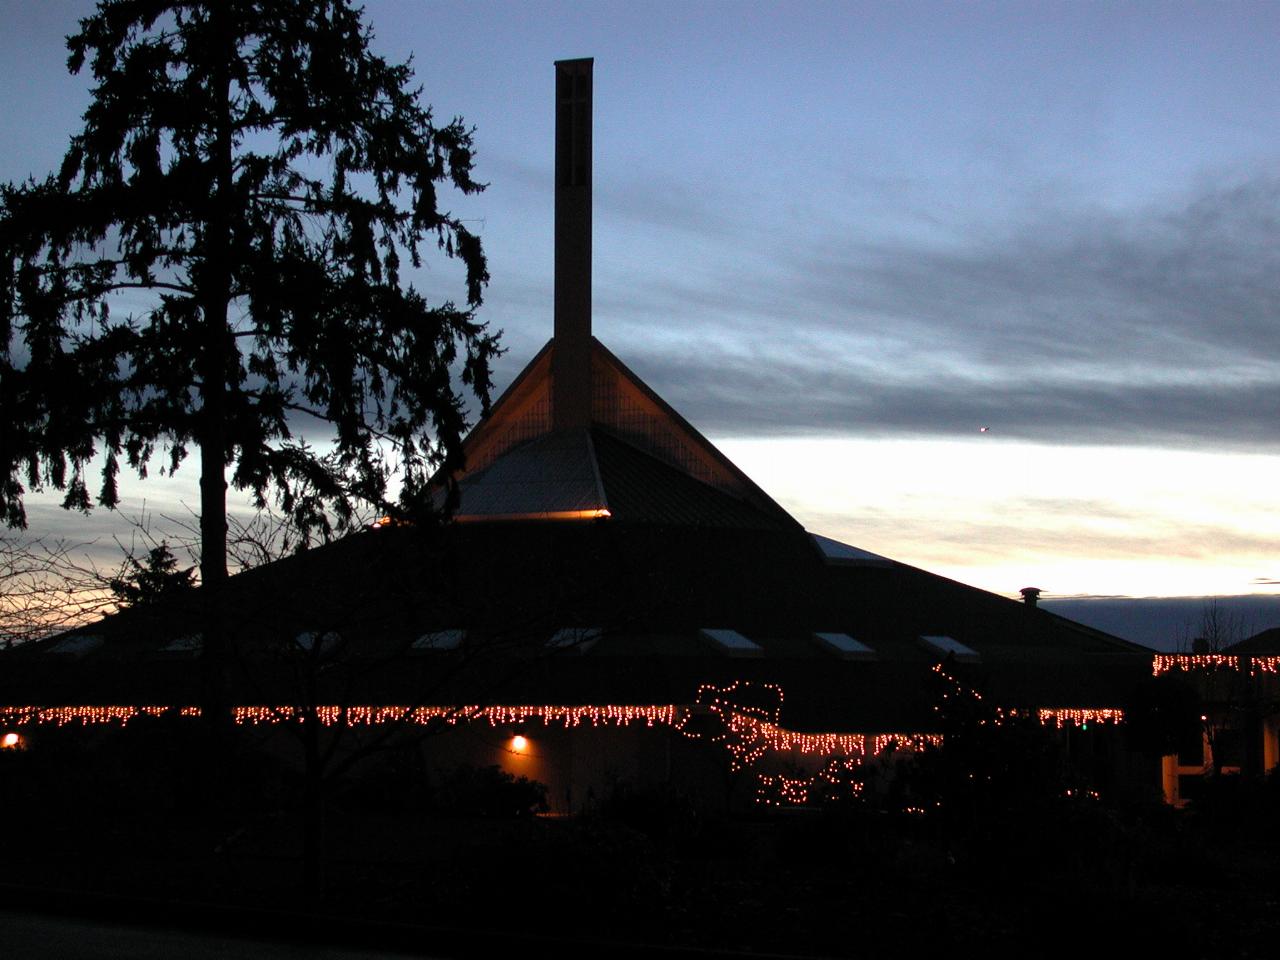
(1264, 643)
(517, 463)
(636, 528)
(552, 477)
(651, 588)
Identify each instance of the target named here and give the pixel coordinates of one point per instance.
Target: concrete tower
(571, 369)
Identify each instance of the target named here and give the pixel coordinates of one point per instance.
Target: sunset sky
(842, 239)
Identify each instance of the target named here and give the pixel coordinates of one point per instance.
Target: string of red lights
(1163, 663)
(748, 727)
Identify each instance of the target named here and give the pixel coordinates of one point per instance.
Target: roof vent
(1030, 595)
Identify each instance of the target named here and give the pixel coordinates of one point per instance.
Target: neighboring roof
(1265, 643)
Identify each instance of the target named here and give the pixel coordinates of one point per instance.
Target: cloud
(670, 204)
(1076, 324)
(729, 396)
(1028, 536)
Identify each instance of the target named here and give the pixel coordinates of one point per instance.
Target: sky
(992, 289)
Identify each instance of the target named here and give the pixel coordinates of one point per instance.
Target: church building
(613, 601)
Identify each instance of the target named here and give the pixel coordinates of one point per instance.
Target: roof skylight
(439, 640)
(844, 646)
(836, 552)
(310, 640)
(190, 643)
(732, 642)
(77, 645)
(949, 646)
(580, 639)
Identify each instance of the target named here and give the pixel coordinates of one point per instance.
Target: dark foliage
(992, 764)
(1164, 715)
(664, 814)
(136, 812)
(399, 782)
(74, 778)
(152, 580)
(489, 792)
(218, 262)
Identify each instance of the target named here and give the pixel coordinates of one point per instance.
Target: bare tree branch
(47, 587)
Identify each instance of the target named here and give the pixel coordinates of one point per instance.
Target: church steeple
(571, 364)
(535, 456)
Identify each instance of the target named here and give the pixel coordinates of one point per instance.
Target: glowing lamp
(519, 744)
(10, 741)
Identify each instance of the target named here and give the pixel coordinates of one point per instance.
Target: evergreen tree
(151, 580)
(261, 177)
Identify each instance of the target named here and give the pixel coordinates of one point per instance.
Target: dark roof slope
(651, 588)
(640, 488)
(1264, 643)
(573, 474)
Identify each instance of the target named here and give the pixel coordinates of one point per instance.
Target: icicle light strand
(1187, 662)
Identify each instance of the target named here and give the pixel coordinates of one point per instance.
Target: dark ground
(1002, 872)
(807, 884)
(38, 935)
